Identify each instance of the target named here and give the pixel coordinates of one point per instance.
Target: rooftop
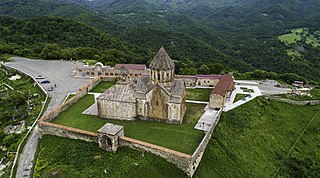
(132, 66)
(199, 76)
(110, 129)
(209, 76)
(162, 61)
(124, 92)
(223, 85)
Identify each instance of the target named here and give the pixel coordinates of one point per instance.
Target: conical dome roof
(162, 61)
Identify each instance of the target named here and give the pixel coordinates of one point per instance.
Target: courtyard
(183, 138)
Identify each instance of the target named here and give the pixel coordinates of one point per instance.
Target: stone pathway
(207, 119)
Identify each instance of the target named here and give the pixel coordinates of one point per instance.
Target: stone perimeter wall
(63, 131)
(179, 159)
(187, 163)
(198, 153)
(302, 103)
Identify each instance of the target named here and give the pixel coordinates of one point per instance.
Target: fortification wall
(68, 132)
(198, 153)
(181, 160)
(78, 95)
(185, 162)
(301, 103)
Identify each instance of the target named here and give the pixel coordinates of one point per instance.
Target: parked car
(50, 88)
(45, 81)
(40, 77)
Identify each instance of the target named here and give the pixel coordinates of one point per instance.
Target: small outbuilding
(108, 136)
(221, 92)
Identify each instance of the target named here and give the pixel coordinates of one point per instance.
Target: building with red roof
(132, 70)
(221, 92)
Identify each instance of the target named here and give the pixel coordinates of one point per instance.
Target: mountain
(225, 35)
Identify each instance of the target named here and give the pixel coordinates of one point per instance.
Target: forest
(210, 38)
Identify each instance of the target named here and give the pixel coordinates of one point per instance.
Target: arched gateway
(108, 136)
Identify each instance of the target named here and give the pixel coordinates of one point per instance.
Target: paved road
(57, 72)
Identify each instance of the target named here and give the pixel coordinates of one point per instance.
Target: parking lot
(59, 74)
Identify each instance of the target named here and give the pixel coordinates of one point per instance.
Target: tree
(51, 51)
(204, 69)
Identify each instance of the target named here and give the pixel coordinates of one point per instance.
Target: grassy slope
(306, 152)
(178, 137)
(250, 140)
(198, 94)
(292, 37)
(296, 35)
(62, 157)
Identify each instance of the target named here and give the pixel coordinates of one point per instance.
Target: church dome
(162, 61)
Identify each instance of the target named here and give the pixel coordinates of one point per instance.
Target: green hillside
(225, 35)
(251, 141)
(254, 139)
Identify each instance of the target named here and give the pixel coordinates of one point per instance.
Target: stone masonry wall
(48, 128)
(181, 160)
(68, 132)
(302, 103)
(198, 153)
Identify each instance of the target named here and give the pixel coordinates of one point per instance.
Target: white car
(40, 77)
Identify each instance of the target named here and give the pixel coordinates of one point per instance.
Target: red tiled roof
(225, 83)
(131, 66)
(185, 76)
(200, 76)
(209, 76)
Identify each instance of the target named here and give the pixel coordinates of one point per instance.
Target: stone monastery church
(158, 96)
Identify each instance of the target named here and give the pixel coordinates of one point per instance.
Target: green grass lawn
(182, 138)
(102, 86)
(198, 94)
(63, 157)
(90, 62)
(253, 139)
(249, 141)
(293, 53)
(313, 41)
(304, 160)
(290, 38)
(239, 97)
(247, 90)
(297, 34)
(69, 97)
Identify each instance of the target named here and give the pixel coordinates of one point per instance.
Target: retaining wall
(68, 132)
(181, 160)
(198, 153)
(302, 103)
